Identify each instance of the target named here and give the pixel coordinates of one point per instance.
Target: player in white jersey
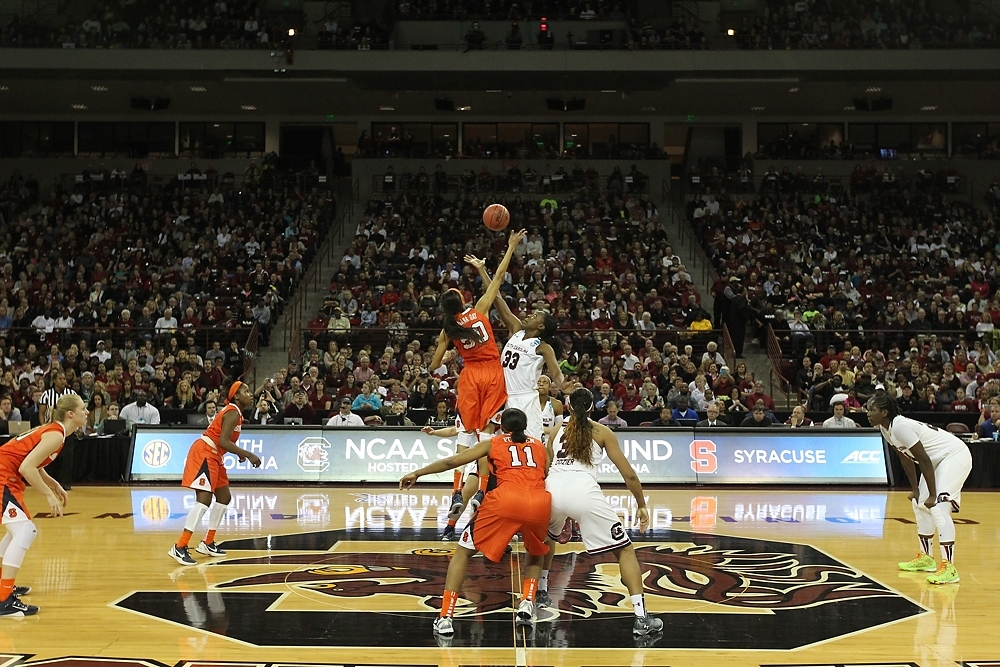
(533, 343)
(574, 452)
(945, 464)
(552, 409)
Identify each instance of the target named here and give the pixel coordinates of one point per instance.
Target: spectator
(798, 418)
(367, 399)
(712, 419)
(665, 419)
(140, 412)
(838, 420)
(299, 408)
(758, 395)
(114, 414)
(612, 420)
(210, 407)
(345, 417)
(442, 417)
(266, 411)
(757, 418)
(682, 411)
(987, 427)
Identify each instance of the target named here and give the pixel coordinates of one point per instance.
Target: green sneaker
(922, 563)
(946, 574)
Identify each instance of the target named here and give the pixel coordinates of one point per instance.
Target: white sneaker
(525, 613)
(210, 549)
(443, 626)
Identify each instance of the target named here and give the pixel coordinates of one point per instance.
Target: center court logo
(313, 455)
(156, 453)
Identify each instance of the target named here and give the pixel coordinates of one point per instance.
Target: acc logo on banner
(313, 455)
(863, 456)
(156, 453)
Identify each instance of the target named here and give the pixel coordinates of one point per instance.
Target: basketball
(496, 217)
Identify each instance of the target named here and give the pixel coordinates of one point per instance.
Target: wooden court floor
(352, 576)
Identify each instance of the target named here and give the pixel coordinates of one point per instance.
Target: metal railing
(250, 351)
(501, 184)
(687, 241)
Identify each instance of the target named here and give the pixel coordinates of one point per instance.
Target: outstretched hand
(517, 237)
(475, 262)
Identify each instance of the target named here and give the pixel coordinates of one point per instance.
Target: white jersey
(548, 414)
(564, 463)
(904, 432)
(522, 365)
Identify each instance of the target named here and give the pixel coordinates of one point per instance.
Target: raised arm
(465, 456)
(509, 319)
(551, 363)
(442, 346)
(486, 301)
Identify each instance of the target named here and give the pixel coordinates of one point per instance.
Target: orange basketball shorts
(482, 392)
(506, 511)
(203, 469)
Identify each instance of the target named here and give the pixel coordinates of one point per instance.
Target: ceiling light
(248, 107)
(463, 108)
(756, 108)
(291, 32)
(730, 32)
(648, 109)
(734, 80)
(850, 109)
(99, 89)
(79, 107)
(385, 107)
(928, 108)
(873, 89)
(199, 89)
(793, 90)
(494, 90)
(609, 91)
(3, 87)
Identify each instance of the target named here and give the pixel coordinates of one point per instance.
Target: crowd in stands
(360, 35)
(129, 293)
(862, 24)
(508, 10)
(888, 285)
(633, 327)
(514, 180)
(183, 24)
(681, 34)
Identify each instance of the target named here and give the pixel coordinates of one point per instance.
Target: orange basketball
(496, 217)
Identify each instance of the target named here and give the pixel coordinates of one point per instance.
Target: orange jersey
(214, 430)
(518, 463)
(13, 453)
(472, 352)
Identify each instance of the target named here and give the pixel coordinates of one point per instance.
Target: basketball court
(354, 576)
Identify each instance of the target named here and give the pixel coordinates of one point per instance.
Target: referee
(64, 464)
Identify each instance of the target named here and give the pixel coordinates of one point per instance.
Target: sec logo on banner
(156, 453)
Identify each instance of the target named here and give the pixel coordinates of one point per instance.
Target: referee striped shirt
(50, 397)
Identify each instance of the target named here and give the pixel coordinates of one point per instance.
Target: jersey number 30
(510, 359)
(483, 335)
(515, 457)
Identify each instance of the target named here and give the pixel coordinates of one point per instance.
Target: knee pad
(943, 521)
(22, 535)
(925, 521)
(467, 439)
(470, 469)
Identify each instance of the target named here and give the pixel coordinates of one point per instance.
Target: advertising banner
(684, 456)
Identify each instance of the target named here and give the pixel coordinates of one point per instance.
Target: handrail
(250, 351)
(728, 349)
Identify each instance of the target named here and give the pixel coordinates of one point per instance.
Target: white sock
(215, 515)
(194, 517)
(639, 605)
(543, 581)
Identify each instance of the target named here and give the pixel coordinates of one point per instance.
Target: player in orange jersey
(23, 459)
(205, 473)
(481, 388)
(519, 503)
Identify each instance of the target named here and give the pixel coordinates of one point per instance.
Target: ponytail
(514, 421)
(452, 305)
(550, 334)
(578, 432)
